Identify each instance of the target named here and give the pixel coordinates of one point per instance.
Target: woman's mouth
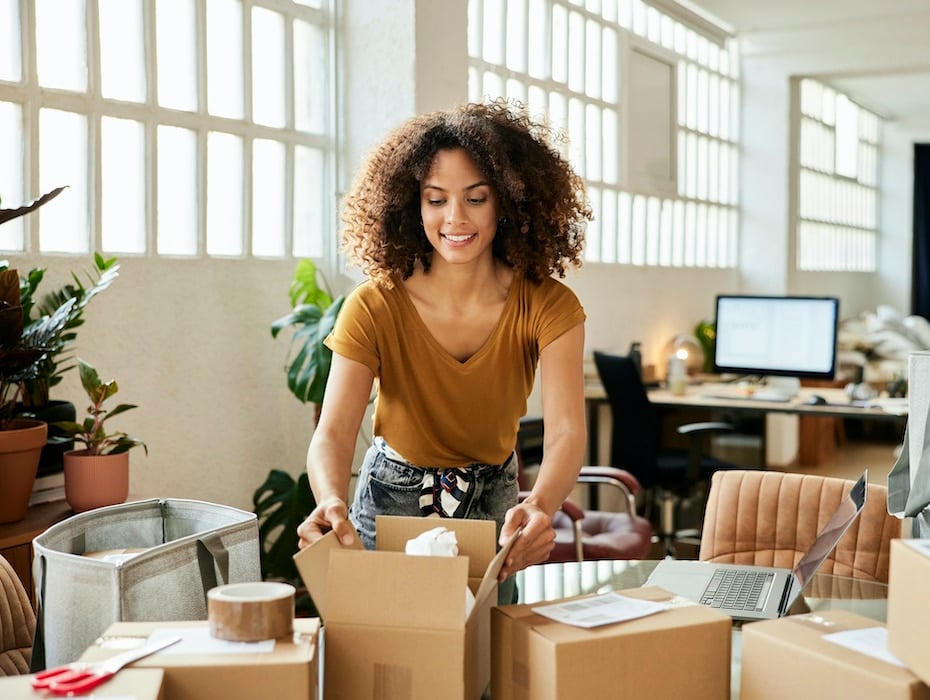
(458, 238)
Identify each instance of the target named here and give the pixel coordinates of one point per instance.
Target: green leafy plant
(313, 315)
(91, 432)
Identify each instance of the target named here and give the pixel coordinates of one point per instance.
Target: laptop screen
(832, 532)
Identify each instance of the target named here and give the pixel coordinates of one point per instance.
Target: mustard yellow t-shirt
(433, 409)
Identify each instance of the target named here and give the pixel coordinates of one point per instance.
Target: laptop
(747, 592)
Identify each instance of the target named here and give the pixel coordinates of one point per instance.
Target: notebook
(758, 592)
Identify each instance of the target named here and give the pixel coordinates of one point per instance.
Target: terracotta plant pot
(94, 481)
(21, 445)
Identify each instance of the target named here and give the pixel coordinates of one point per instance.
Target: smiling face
(459, 208)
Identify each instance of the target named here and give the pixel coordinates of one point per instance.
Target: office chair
(772, 518)
(588, 534)
(18, 623)
(671, 478)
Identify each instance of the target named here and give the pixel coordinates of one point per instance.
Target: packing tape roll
(251, 612)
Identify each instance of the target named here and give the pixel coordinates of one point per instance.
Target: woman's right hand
(330, 514)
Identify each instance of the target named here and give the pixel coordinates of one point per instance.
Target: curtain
(920, 278)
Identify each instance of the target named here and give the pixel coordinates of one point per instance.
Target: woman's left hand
(536, 540)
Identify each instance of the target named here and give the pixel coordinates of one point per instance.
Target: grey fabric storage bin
(190, 547)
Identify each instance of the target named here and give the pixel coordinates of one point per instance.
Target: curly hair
(542, 201)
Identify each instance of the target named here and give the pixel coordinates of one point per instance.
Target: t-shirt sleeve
(560, 311)
(354, 334)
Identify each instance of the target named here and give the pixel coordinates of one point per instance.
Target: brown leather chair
(17, 623)
(771, 518)
(591, 534)
(586, 535)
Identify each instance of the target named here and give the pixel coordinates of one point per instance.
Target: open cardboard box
(789, 658)
(908, 606)
(680, 652)
(287, 672)
(394, 625)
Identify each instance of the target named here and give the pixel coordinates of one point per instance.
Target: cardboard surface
(136, 683)
(909, 605)
(789, 658)
(289, 672)
(681, 652)
(395, 626)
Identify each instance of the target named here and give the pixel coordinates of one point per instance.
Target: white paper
(600, 610)
(197, 640)
(872, 641)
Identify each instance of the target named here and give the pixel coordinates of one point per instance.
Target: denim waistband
(381, 445)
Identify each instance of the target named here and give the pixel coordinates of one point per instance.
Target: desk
(838, 406)
(546, 582)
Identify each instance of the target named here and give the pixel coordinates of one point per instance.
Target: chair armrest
(620, 479)
(705, 428)
(569, 507)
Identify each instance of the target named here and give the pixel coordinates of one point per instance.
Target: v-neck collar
(448, 357)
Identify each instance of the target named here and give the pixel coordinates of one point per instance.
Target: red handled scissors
(81, 677)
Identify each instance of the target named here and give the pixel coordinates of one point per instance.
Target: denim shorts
(391, 486)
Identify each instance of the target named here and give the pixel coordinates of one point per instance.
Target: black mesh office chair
(670, 477)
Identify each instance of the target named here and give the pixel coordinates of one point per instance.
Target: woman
(459, 219)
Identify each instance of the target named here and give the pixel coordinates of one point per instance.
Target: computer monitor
(787, 336)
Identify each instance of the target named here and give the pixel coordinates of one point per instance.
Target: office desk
(547, 582)
(838, 406)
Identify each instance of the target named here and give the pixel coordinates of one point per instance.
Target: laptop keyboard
(737, 590)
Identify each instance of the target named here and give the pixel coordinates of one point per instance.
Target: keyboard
(738, 590)
(744, 394)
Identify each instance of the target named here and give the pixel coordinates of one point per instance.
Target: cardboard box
(682, 652)
(789, 658)
(908, 607)
(288, 672)
(136, 683)
(394, 625)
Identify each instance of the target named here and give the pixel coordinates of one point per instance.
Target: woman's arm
(564, 438)
(332, 449)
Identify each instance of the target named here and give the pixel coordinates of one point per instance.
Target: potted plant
(313, 315)
(24, 343)
(98, 474)
(282, 502)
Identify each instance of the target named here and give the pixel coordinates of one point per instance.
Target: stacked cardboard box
(136, 683)
(792, 657)
(909, 604)
(287, 671)
(681, 652)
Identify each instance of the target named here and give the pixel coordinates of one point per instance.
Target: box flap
(489, 581)
(313, 566)
(475, 538)
(395, 589)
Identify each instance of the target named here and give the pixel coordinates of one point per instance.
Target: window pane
(11, 67)
(61, 51)
(123, 178)
(310, 71)
(224, 58)
(847, 137)
(11, 173)
(63, 224)
(224, 194)
(176, 46)
(268, 93)
(122, 50)
(177, 191)
(309, 203)
(268, 197)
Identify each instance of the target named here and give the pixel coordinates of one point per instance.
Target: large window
(181, 127)
(648, 102)
(838, 158)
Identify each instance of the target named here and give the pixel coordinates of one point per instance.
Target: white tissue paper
(439, 542)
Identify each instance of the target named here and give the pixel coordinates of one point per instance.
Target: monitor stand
(778, 388)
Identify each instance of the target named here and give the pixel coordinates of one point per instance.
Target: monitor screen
(789, 336)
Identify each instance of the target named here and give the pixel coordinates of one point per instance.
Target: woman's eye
(478, 200)
(434, 202)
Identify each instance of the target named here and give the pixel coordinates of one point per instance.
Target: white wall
(189, 340)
